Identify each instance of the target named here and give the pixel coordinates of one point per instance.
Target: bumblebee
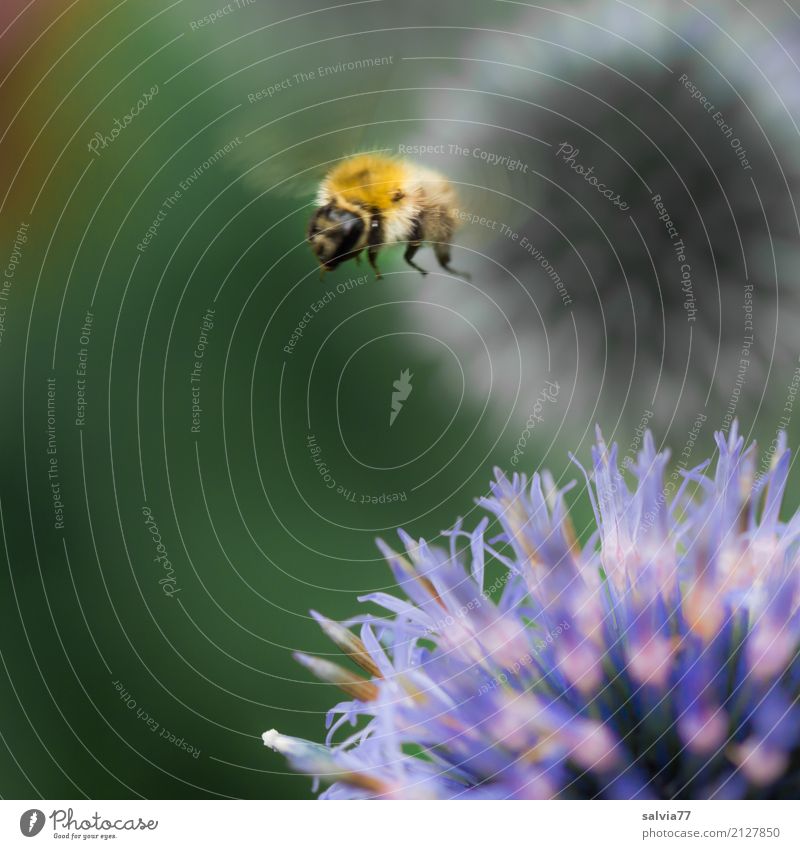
(370, 201)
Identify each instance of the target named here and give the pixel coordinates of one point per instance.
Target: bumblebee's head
(336, 234)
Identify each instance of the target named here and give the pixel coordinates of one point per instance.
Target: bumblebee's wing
(272, 161)
(280, 176)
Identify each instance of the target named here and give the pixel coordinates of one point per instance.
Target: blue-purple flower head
(657, 660)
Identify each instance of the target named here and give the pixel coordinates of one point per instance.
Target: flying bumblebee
(370, 201)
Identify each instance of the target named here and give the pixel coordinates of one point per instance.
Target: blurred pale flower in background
(658, 660)
(641, 158)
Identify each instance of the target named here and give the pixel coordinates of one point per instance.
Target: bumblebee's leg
(372, 255)
(442, 252)
(374, 239)
(408, 256)
(413, 244)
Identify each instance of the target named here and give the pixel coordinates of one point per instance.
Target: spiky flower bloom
(658, 660)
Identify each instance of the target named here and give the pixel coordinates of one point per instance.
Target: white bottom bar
(405, 825)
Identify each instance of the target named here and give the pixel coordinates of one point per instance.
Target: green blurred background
(113, 686)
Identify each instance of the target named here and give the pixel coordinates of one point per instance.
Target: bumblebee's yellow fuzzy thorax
(368, 180)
